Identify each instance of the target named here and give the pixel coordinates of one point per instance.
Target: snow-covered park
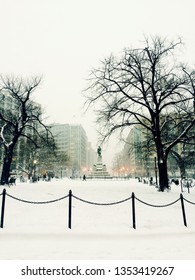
(34, 231)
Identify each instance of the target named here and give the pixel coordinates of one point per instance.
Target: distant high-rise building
(138, 157)
(72, 141)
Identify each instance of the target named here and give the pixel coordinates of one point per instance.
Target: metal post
(183, 210)
(70, 210)
(155, 168)
(3, 207)
(188, 186)
(133, 210)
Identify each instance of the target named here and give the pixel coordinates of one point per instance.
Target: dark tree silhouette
(21, 117)
(144, 86)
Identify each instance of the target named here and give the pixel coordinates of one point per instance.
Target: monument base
(99, 171)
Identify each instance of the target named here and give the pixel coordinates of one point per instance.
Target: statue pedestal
(99, 170)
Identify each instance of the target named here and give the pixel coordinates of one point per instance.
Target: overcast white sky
(62, 40)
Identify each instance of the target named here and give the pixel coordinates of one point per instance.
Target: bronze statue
(99, 151)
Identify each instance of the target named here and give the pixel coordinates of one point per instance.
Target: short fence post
(183, 210)
(188, 186)
(133, 210)
(3, 207)
(70, 210)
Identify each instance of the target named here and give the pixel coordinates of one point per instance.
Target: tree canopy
(145, 86)
(20, 117)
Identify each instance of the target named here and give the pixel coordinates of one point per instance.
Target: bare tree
(146, 87)
(44, 154)
(21, 117)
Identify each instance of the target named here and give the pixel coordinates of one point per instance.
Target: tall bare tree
(20, 117)
(145, 86)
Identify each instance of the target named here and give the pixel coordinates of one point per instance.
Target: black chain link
(96, 203)
(189, 201)
(152, 205)
(102, 204)
(37, 202)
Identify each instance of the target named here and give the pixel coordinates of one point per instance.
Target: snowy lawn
(40, 231)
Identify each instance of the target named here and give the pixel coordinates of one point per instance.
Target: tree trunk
(163, 174)
(5, 171)
(182, 168)
(6, 165)
(162, 164)
(181, 163)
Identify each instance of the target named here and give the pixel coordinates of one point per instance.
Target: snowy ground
(35, 232)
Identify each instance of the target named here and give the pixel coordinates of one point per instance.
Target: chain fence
(133, 198)
(189, 201)
(157, 206)
(102, 204)
(37, 202)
